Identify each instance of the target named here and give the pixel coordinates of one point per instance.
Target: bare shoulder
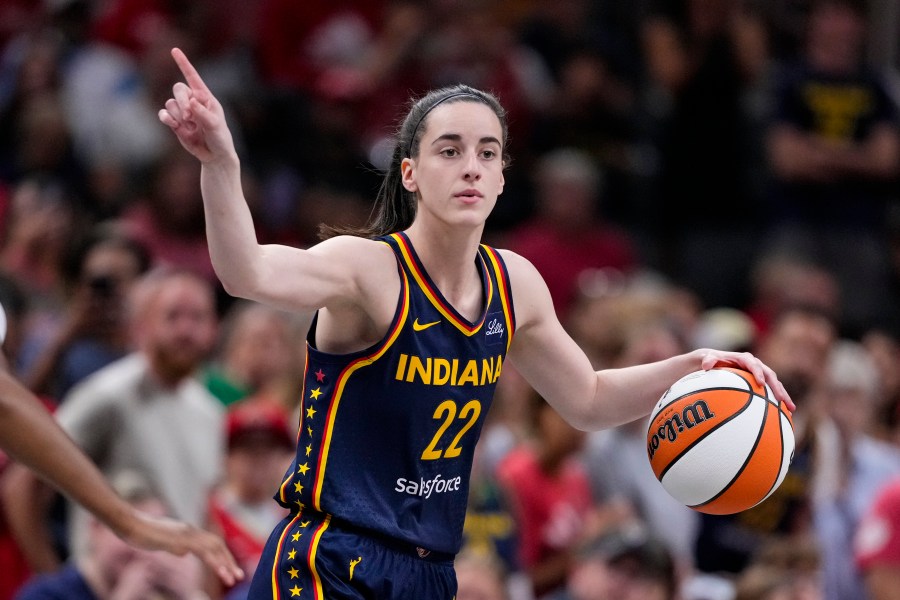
(521, 272)
(362, 309)
(352, 246)
(360, 255)
(530, 294)
(369, 266)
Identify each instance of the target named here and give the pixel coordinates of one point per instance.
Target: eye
(489, 154)
(449, 152)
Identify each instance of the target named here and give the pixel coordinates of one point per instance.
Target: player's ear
(408, 175)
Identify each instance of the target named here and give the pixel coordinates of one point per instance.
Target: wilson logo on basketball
(691, 416)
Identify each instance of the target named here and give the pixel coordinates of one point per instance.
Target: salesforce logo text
(425, 487)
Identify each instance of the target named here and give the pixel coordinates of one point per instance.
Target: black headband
(431, 108)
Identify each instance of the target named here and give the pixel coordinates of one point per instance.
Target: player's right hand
(196, 116)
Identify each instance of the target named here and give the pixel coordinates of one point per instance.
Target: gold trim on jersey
(434, 296)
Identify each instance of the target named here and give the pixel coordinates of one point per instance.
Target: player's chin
(472, 215)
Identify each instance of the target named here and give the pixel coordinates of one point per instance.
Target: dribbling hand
(195, 116)
(747, 361)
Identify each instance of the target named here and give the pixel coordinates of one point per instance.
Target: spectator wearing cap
(259, 448)
(623, 562)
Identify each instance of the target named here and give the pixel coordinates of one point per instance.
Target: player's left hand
(747, 361)
(176, 537)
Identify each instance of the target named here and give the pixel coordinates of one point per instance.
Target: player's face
(458, 173)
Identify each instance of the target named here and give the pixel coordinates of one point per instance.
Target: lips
(469, 194)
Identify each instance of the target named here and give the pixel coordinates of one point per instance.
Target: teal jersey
(387, 434)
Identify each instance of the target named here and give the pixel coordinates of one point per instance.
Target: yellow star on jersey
(310, 412)
(309, 429)
(308, 450)
(314, 394)
(294, 573)
(295, 591)
(292, 554)
(302, 469)
(298, 487)
(305, 524)
(300, 505)
(296, 536)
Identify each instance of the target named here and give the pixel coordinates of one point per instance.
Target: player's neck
(445, 251)
(448, 256)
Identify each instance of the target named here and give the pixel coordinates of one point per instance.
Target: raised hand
(195, 115)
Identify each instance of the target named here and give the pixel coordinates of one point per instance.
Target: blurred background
(686, 173)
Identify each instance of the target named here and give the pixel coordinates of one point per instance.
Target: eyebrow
(455, 137)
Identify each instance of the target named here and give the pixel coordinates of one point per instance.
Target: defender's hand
(176, 537)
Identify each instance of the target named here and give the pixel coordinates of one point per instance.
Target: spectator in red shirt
(566, 236)
(877, 544)
(550, 495)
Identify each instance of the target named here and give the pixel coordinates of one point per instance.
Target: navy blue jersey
(387, 434)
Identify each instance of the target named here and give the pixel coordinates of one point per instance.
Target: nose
(472, 168)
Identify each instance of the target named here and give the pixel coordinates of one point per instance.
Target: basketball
(719, 442)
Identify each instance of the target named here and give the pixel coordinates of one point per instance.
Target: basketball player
(414, 322)
(31, 436)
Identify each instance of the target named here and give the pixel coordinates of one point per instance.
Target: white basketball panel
(700, 380)
(707, 468)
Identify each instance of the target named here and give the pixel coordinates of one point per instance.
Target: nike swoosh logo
(420, 326)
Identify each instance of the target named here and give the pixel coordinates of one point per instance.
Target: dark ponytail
(395, 206)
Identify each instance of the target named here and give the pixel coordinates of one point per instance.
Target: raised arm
(286, 277)
(32, 437)
(559, 370)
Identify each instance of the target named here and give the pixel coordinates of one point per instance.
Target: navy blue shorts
(311, 556)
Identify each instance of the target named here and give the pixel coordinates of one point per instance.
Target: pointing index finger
(191, 76)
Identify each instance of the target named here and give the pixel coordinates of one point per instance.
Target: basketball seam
(780, 456)
(739, 373)
(711, 389)
(778, 473)
(687, 448)
(737, 475)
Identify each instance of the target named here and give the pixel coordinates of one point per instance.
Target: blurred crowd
(686, 173)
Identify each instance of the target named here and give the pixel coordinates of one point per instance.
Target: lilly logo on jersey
(691, 416)
(495, 328)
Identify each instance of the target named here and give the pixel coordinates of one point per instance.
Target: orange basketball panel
(689, 419)
(759, 390)
(759, 474)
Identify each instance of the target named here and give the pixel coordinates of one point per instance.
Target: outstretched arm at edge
(32, 437)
